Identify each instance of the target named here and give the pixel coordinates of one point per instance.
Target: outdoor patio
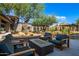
(72, 51)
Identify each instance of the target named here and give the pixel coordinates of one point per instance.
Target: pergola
(8, 22)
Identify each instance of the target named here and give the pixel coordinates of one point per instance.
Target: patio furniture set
(40, 45)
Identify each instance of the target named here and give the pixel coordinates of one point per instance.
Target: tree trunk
(27, 20)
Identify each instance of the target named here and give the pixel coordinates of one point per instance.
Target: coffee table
(42, 47)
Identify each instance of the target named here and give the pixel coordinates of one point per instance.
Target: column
(7, 27)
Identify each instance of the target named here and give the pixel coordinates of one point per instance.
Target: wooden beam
(9, 18)
(23, 52)
(2, 18)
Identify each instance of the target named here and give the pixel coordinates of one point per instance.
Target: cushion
(55, 41)
(48, 34)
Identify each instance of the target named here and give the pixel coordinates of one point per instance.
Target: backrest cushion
(47, 34)
(61, 36)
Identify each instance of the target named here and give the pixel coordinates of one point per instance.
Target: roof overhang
(8, 19)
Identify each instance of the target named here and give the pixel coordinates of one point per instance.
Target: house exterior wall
(71, 27)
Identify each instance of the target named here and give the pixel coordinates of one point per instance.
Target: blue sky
(65, 12)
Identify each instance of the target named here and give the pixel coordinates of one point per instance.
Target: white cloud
(61, 17)
(60, 20)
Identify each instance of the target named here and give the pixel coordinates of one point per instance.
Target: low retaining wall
(74, 36)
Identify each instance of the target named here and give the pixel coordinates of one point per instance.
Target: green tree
(26, 11)
(44, 21)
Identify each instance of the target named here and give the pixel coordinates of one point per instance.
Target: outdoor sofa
(6, 48)
(59, 41)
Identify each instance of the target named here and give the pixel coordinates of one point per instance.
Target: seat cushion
(55, 42)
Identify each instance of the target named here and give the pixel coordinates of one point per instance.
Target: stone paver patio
(72, 51)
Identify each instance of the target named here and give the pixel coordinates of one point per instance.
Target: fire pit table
(42, 47)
